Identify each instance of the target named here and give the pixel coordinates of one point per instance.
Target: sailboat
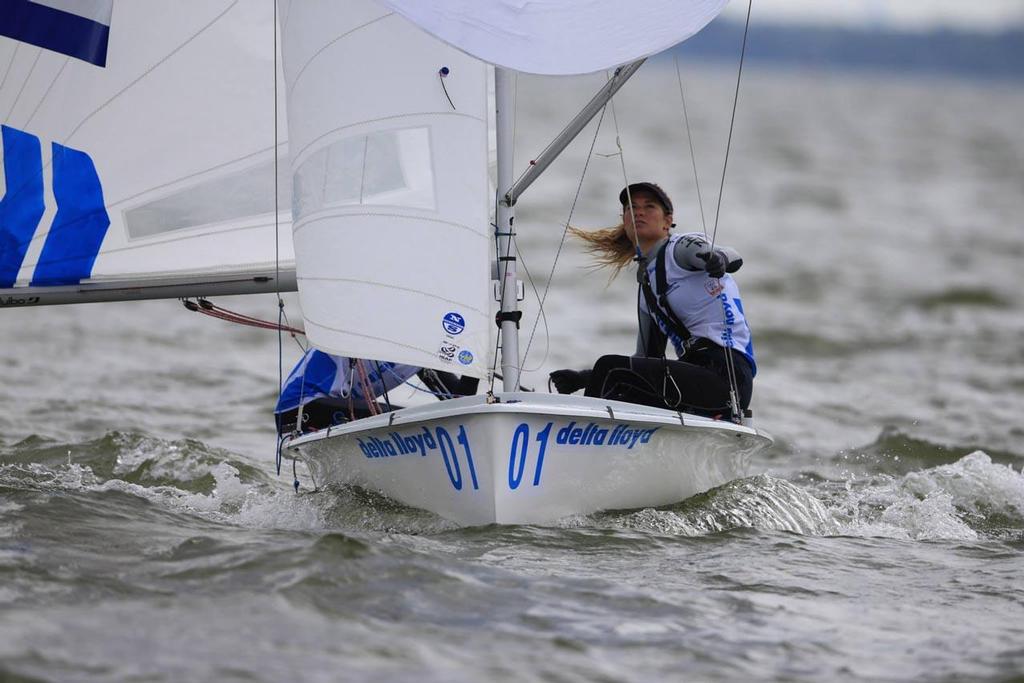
(163, 156)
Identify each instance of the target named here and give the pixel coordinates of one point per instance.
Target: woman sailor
(687, 296)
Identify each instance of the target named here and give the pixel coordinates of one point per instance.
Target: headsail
(560, 37)
(154, 171)
(391, 233)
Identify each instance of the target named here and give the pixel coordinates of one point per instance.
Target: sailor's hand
(715, 262)
(568, 381)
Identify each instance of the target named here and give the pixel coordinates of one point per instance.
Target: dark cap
(649, 188)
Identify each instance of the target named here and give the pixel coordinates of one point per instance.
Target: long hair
(611, 246)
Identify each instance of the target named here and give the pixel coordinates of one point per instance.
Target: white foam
(974, 483)
(934, 503)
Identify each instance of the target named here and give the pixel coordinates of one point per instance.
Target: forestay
(558, 37)
(392, 231)
(138, 143)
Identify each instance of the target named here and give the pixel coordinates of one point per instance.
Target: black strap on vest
(659, 306)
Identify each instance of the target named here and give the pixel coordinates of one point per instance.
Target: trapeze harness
(699, 381)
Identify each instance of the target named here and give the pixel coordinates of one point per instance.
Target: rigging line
(206, 308)
(368, 395)
(144, 74)
(46, 94)
(625, 177)
(423, 390)
(693, 155)
(383, 384)
(501, 295)
(277, 258)
(644, 341)
(408, 382)
(734, 392)
(729, 363)
(561, 244)
(540, 314)
(732, 121)
(10, 65)
(441, 73)
(641, 269)
(515, 116)
(24, 84)
(288, 325)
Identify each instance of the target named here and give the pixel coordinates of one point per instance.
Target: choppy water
(145, 536)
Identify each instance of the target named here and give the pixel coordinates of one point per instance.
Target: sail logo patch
(453, 323)
(466, 357)
(79, 226)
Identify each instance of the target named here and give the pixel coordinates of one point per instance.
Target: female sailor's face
(652, 223)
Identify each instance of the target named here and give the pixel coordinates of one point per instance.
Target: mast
(504, 231)
(509, 191)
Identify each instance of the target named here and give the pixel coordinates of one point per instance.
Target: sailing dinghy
(401, 270)
(141, 161)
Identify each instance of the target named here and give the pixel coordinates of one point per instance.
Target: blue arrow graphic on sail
(80, 224)
(22, 205)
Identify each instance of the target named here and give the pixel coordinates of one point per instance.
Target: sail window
(391, 168)
(241, 194)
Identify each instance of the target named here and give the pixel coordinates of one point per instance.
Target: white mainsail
(560, 37)
(157, 165)
(388, 134)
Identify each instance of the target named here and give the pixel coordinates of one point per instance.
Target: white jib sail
(138, 142)
(390, 208)
(560, 37)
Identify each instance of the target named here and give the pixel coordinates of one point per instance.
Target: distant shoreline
(990, 55)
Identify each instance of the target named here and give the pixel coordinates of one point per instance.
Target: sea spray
(952, 501)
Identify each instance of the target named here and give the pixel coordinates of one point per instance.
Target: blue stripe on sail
(80, 224)
(22, 205)
(55, 30)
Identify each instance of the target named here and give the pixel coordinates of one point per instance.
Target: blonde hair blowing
(611, 246)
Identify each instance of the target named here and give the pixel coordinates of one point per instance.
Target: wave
(187, 464)
(970, 498)
(182, 476)
(962, 296)
(924, 493)
(788, 343)
(761, 502)
(896, 452)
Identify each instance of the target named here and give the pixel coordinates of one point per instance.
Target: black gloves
(568, 381)
(715, 262)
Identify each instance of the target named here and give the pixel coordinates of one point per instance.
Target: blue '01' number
(451, 458)
(517, 454)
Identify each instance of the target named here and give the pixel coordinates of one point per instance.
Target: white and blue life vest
(709, 307)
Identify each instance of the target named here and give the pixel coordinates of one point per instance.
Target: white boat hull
(529, 458)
